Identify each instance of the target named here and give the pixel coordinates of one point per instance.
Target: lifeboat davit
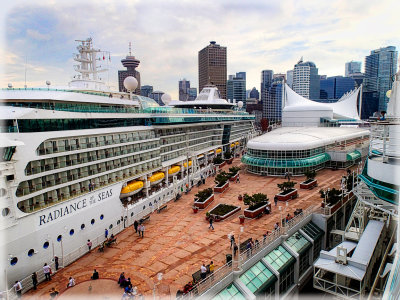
(131, 188)
(173, 170)
(156, 177)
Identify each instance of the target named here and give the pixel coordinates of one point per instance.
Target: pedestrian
(95, 275)
(276, 226)
(139, 229)
(237, 179)
(106, 233)
(211, 267)
(276, 200)
(142, 231)
(211, 220)
(18, 288)
(232, 240)
(89, 244)
(257, 244)
(53, 293)
(34, 280)
(135, 225)
(71, 282)
(248, 247)
(56, 262)
(235, 248)
(203, 271)
(121, 279)
(46, 271)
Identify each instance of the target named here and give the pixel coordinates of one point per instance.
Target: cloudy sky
(167, 35)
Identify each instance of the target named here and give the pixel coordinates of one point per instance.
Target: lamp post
(325, 196)
(159, 278)
(241, 231)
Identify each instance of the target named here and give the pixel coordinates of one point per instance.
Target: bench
(197, 275)
(109, 242)
(162, 208)
(101, 247)
(144, 219)
(243, 246)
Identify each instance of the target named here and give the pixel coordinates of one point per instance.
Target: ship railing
(334, 288)
(243, 256)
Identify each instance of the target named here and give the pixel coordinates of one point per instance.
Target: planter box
(308, 184)
(252, 214)
(234, 177)
(229, 161)
(288, 196)
(221, 165)
(218, 218)
(222, 188)
(203, 205)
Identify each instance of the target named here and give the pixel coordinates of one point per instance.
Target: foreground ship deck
(177, 241)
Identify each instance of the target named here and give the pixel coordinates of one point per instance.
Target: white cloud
(36, 35)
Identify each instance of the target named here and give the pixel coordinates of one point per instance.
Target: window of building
(228, 293)
(258, 278)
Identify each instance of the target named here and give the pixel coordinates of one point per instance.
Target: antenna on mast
(130, 48)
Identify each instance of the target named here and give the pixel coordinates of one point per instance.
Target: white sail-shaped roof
(393, 109)
(344, 108)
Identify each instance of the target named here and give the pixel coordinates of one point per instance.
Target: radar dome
(240, 104)
(166, 98)
(130, 83)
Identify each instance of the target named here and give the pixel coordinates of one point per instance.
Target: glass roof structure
(286, 163)
(280, 259)
(230, 292)
(298, 243)
(313, 231)
(258, 277)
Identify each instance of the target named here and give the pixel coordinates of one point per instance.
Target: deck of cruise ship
(177, 241)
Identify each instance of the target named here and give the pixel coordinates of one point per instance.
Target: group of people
(125, 283)
(139, 228)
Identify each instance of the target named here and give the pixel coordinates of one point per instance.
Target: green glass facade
(230, 292)
(258, 278)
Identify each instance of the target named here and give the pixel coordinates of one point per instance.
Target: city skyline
(166, 37)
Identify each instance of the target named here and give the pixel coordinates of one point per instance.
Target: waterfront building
(358, 78)
(236, 88)
(212, 67)
(352, 67)
(272, 106)
(254, 93)
(306, 80)
(156, 96)
(335, 87)
(184, 86)
(266, 80)
(130, 63)
(146, 90)
(380, 66)
(192, 94)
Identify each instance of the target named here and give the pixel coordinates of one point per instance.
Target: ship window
(31, 252)
(83, 226)
(71, 232)
(131, 214)
(59, 238)
(46, 245)
(101, 217)
(118, 222)
(144, 207)
(5, 212)
(111, 226)
(13, 261)
(92, 222)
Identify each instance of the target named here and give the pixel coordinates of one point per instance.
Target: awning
(353, 155)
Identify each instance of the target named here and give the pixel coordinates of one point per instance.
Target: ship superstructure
(82, 158)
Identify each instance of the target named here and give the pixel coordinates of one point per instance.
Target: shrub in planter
(228, 154)
(203, 195)
(333, 196)
(221, 210)
(217, 160)
(221, 178)
(310, 181)
(286, 187)
(310, 175)
(233, 171)
(255, 201)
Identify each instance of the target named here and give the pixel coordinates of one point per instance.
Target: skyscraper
(289, 78)
(306, 80)
(335, 87)
(380, 66)
(241, 75)
(146, 90)
(130, 63)
(352, 67)
(156, 96)
(192, 94)
(236, 88)
(266, 80)
(184, 86)
(212, 67)
(254, 93)
(272, 107)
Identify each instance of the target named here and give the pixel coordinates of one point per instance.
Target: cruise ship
(79, 159)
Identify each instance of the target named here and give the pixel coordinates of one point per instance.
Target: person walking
(46, 271)
(106, 233)
(56, 262)
(211, 220)
(135, 225)
(232, 240)
(34, 280)
(71, 282)
(18, 288)
(211, 268)
(235, 248)
(276, 200)
(89, 244)
(142, 230)
(203, 271)
(237, 179)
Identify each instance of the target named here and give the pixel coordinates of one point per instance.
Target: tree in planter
(204, 194)
(332, 196)
(218, 160)
(255, 200)
(221, 178)
(233, 171)
(310, 175)
(228, 154)
(286, 186)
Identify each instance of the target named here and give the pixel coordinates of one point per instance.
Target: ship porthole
(92, 222)
(101, 217)
(118, 222)
(31, 252)
(131, 214)
(110, 226)
(13, 261)
(71, 232)
(59, 238)
(46, 245)
(5, 212)
(83, 226)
